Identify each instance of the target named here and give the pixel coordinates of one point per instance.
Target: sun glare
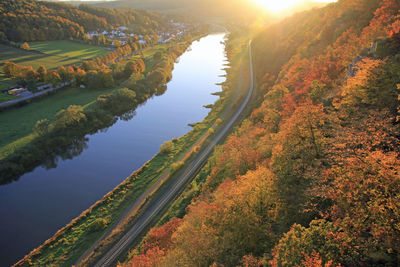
(280, 5)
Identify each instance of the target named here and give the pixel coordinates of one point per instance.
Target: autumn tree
(300, 242)
(69, 118)
(298, 159)
(25, 46)
(42, 72)
(375, 83)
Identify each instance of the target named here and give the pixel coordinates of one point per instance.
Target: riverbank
(238, 81)
(24, 154)
(77, 235)
(147, 210)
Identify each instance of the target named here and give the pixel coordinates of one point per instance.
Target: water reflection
(77, 176)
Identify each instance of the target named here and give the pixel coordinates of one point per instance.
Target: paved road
(153, 210)
(33, 95)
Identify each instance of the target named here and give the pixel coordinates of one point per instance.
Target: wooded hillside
(30, 20)
(312, 177)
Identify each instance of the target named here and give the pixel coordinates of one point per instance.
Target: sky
(281, 5)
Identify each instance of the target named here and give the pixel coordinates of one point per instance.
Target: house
(122, 28)
(142, 41)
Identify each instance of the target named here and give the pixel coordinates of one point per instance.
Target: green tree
(167, 147)
(318, 90)
(299, 242)
(70, 117)
(41, 127)
(42, 71)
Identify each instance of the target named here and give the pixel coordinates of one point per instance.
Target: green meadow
(51, 54)
(17, 123)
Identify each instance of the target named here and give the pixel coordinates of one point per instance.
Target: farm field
(17, 124)
(51, 54)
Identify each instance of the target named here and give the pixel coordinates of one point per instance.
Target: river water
(41, 202)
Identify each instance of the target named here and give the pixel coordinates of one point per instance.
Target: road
(33, 95)
(161, 202)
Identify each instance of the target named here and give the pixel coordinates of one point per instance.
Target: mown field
(51, 54)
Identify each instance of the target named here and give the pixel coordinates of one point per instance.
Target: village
(122, 34)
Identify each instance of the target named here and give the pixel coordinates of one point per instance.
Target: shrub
(167, 147)
(176, 166)
(98, 225)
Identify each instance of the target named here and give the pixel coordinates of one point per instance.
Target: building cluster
(122, 34)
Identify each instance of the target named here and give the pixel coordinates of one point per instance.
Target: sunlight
(280, 5)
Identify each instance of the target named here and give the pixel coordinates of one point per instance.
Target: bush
(167, 147)
(41, 127)
(176, 166)
(98, 225)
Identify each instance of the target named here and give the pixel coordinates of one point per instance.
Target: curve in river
(39, 203)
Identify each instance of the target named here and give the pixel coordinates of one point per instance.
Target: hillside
(29, 20)
(311, 178)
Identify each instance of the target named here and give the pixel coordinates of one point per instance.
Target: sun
(277, 5)
(280, 5)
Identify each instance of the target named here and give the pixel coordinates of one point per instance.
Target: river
(41, 202)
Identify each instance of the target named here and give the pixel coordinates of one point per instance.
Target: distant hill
(30, 20)
(312, 177)
(238, 9)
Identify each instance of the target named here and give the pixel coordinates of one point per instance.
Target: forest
(311, 177)
(29, 20)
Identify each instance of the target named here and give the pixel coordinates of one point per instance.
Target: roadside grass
(17, 123)
(5, 97)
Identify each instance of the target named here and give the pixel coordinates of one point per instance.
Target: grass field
(17, 123)
(51, 54)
